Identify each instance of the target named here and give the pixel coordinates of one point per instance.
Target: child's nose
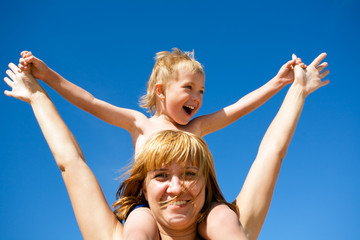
(196, 96)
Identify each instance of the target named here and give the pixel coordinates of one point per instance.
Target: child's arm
(212, 122)
(256, 194)
(121, 117)
(94, 216)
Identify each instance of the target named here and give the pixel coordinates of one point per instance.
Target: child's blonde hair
(165, 70)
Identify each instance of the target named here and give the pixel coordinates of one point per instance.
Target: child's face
(183, 97)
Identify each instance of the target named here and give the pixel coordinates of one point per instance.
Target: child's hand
(311, 77)
(35, 66)
(286, 72)
(22, 83)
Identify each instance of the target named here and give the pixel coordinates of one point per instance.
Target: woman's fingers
(13, 67)
(10, 74)
(323, 74)
(318, 60)
(9, 82)
(326, 82)
(322, 66)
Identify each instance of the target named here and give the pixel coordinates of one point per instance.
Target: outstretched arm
(256, 194)
(222, 118)
(121, 117)
(94, 216)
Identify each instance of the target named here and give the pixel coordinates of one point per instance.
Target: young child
(174, 95)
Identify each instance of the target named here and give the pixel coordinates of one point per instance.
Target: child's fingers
(28, 54)
(22, 67)
(9, 82)
(290, 63)
(303, 65)
(29, 59)
(294, 56)
(23, 62)
(23, 53)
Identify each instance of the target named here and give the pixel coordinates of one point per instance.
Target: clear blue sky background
(107, 47)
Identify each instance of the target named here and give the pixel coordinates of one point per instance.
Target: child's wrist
(47, 75)
(279, 82)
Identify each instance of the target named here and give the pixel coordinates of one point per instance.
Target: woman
(187, 188)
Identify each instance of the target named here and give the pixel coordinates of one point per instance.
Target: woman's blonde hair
(163, 149)
(165, 70)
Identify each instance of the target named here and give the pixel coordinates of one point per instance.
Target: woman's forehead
(177, 165)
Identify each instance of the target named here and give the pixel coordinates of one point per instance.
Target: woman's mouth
(178, 203)
(174, 203)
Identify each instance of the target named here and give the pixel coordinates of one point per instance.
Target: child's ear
(160, 90)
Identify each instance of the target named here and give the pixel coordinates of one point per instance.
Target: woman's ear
(160, 90)
(143, 189)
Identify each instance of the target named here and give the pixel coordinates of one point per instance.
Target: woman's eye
(161, 175)
(190, 174)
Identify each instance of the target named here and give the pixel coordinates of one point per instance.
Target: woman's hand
(311, 78)
(23, 85)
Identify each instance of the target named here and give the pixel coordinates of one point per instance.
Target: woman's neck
(183, 234)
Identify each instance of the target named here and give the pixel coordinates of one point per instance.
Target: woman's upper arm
(94, 215)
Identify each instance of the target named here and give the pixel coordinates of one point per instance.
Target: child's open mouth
(188, 109)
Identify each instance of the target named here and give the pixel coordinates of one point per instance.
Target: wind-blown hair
(163, 149)
(165, 70)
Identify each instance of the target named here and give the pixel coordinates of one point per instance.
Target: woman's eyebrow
(159, 170)
(194, 168)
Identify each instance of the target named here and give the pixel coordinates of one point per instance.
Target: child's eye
(201, 91)
(188, 87)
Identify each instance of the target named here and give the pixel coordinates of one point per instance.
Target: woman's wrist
(299, 89)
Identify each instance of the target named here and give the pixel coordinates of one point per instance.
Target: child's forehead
(188, 68)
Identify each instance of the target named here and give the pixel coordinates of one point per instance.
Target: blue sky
(107, 47)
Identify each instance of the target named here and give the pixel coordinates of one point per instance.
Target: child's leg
(140, 225)
(221, 223)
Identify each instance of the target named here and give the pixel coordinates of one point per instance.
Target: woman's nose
(175, 185)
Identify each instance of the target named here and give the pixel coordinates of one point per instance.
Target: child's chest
(150, 130)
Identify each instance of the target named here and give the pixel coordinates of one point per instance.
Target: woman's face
(174, 198)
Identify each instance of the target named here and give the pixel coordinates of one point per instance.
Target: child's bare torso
(147, 127)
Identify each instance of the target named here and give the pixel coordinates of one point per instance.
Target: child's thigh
(221, 223)
(140, 224)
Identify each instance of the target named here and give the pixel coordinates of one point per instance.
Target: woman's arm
(94, 216)
(256, 194)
